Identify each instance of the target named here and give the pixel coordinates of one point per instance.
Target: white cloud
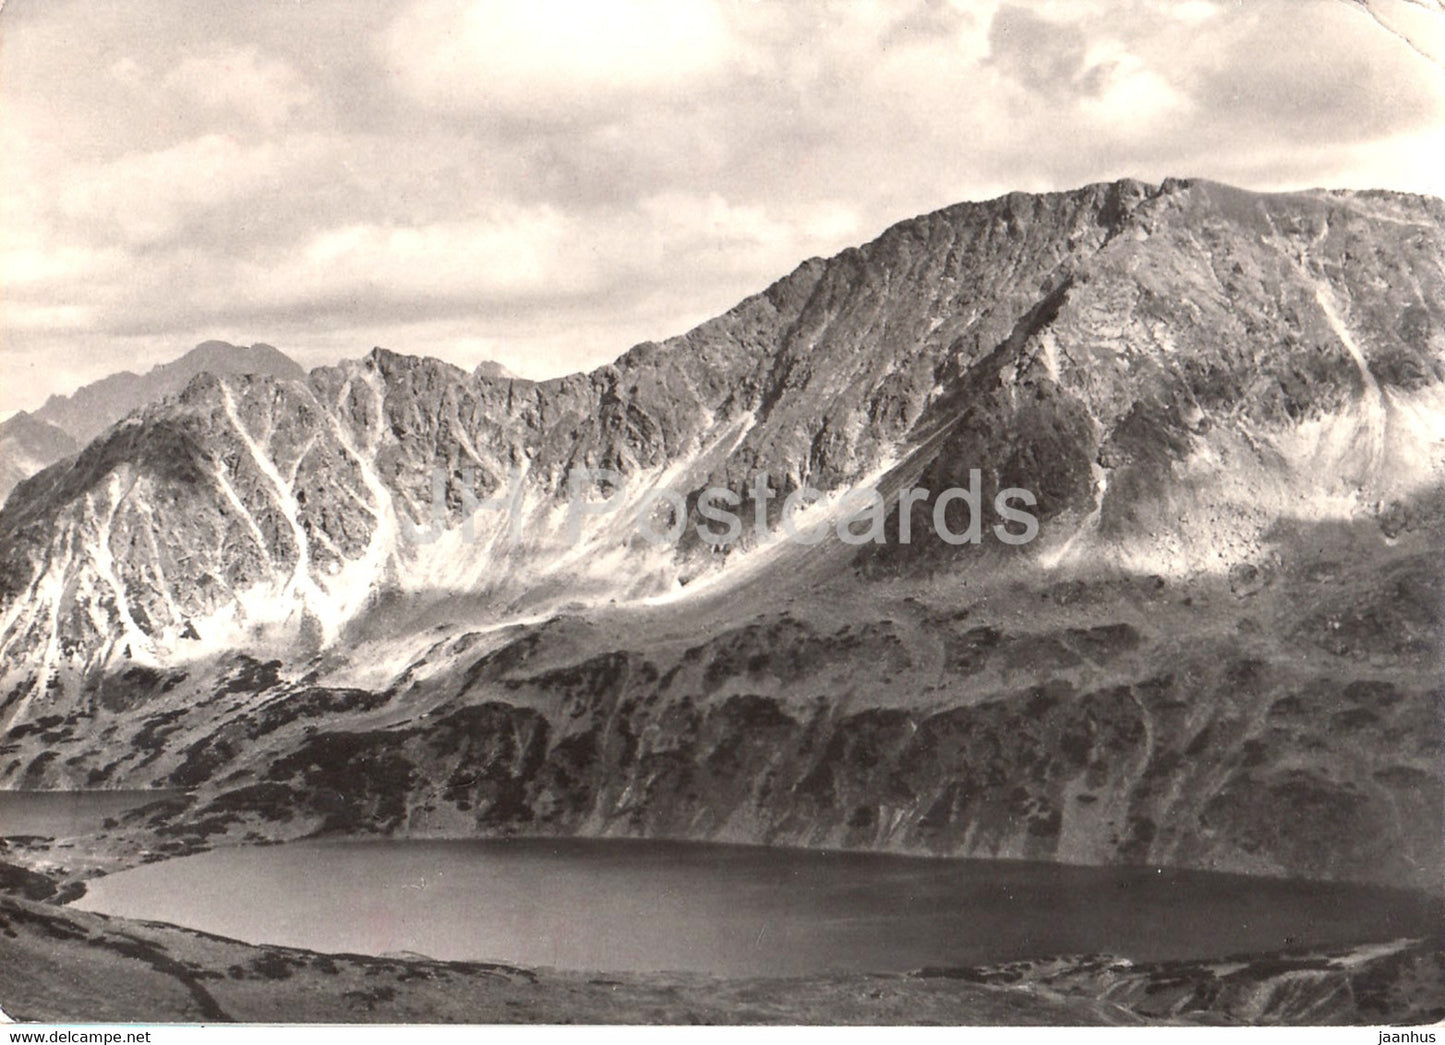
(23, 266)
(127, 71)
(707, 235)
(1132, 99)
(240, 79)
(21, 316)
(1194, 11)
(513, 251)
(551, 182)
(142, 198)
(516, 256)
(545, 57)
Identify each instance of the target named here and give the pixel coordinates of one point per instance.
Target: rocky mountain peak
(92, 408)
(492, 371)
(1092, 346)
(32, 444)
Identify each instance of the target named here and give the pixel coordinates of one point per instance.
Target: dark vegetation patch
(21, 881)
(250, 676)
(355, 781)
(312, 702)
(40, 725)
(151, 737)
(133, 687)
(53, 926)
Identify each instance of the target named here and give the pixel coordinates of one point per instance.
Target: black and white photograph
(751, 512)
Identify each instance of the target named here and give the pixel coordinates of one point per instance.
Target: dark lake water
(730, 910)
(63, 814)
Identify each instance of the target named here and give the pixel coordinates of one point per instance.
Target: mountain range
(31, 441)
(27, 445)
(276, 590)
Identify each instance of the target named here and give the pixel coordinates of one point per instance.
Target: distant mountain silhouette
(30, 442)
(91, 409)
(491, 369)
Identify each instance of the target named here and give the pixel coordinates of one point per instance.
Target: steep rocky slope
(91, 409)
(32, 442)
(28, 444)
(1222, 650)
(1129, 719)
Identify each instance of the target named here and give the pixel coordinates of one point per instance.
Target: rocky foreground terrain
(1222, 651)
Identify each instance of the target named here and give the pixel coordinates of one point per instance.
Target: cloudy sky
(545, 183)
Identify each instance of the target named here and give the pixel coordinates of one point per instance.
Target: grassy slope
(65, 966)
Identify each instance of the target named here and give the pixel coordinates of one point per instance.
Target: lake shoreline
(122, 970)
(72, 862)
(630, 905)
(1067, 991)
